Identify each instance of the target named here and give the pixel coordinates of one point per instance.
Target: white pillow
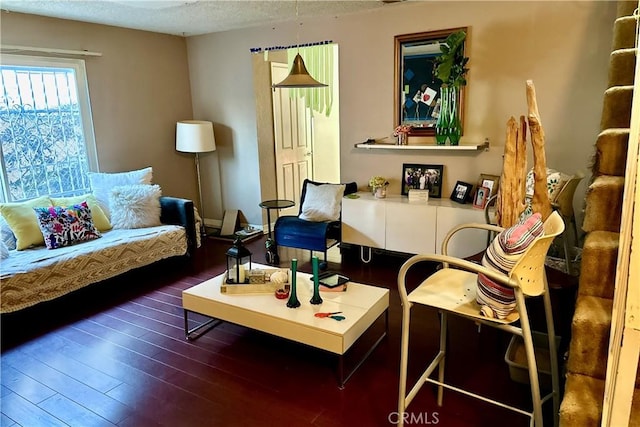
(135, 206)
(103, 183)
(4, 252)
(322, 202)
(6, 234)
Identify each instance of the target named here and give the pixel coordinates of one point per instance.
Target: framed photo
(416, 90)
(461, 191)
(492, 182)
(480, 199)
(422, 177)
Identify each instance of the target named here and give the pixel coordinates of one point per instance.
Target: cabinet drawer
(411, 228)
(363, 222)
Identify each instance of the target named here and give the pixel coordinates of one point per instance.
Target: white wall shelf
(462, 147)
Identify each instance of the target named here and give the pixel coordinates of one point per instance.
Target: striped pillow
(496, 300)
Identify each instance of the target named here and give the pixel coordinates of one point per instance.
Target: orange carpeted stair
(590, 329)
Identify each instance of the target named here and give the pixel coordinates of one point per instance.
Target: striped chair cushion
(497, 301)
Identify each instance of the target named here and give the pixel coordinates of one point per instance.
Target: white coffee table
(361, 305)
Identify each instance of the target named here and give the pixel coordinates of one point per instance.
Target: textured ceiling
(187, 17)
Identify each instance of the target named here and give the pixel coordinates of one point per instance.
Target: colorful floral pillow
(64, 226)
(496, 300)
(100, 219)
(555, 181)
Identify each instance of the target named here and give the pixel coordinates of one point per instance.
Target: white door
(293, 141)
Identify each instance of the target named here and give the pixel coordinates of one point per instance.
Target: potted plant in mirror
(450, 69)
(378, 186)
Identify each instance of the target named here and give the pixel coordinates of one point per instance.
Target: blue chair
(295, 232)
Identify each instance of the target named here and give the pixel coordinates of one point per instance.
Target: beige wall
(139, 89)
(562, 46)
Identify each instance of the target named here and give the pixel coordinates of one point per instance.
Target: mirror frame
(403, 89)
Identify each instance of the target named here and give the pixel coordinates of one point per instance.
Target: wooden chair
(563, 203)
(452, 291)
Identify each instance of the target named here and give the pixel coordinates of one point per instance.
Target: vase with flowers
(450, 69)
(378, 186)
(402, 133)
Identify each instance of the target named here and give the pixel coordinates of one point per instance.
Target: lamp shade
(195, 136)
(299, 77)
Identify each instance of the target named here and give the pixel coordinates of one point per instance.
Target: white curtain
(319, 62)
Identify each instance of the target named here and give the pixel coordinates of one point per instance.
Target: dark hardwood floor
(114, 353)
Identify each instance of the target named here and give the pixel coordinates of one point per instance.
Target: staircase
(590, 330)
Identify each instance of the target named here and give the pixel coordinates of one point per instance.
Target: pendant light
(299, 77)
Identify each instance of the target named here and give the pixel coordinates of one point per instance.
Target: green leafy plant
(450, 66)
(378, 182)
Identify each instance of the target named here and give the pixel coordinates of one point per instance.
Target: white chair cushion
(322, 202)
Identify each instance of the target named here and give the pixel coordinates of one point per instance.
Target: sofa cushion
(322, 202)
(4, 252)
(6, 235)
(496, 300)
(135, 206)
(63, 226)
(100, 220)
(103, 183)
(23, 222)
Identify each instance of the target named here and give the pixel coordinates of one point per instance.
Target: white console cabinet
(395, 224)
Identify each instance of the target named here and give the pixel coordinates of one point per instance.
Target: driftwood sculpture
(511, 194)
(541, 202)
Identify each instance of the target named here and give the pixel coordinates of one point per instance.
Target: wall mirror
(416, 90)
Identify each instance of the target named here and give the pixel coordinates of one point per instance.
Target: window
(46, 133)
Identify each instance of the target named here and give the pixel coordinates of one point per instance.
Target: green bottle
(316, 298)
(293, 298)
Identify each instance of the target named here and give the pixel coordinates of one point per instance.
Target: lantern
(237, 256)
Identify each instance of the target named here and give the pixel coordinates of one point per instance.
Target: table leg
(199, 330)
(269, 221)
(341, 377)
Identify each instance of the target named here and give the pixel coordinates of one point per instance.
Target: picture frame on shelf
(461, 192)
(492, 182)
(481, 197)
(422, 177)
(416, 89)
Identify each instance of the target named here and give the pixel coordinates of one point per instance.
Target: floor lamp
(196, 136)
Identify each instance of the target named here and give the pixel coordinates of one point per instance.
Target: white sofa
(31, 276)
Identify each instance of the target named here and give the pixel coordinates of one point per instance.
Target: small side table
(270, 244)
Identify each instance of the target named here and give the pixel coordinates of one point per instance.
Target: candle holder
(293, 301)
(237, 258)
(316, 298)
